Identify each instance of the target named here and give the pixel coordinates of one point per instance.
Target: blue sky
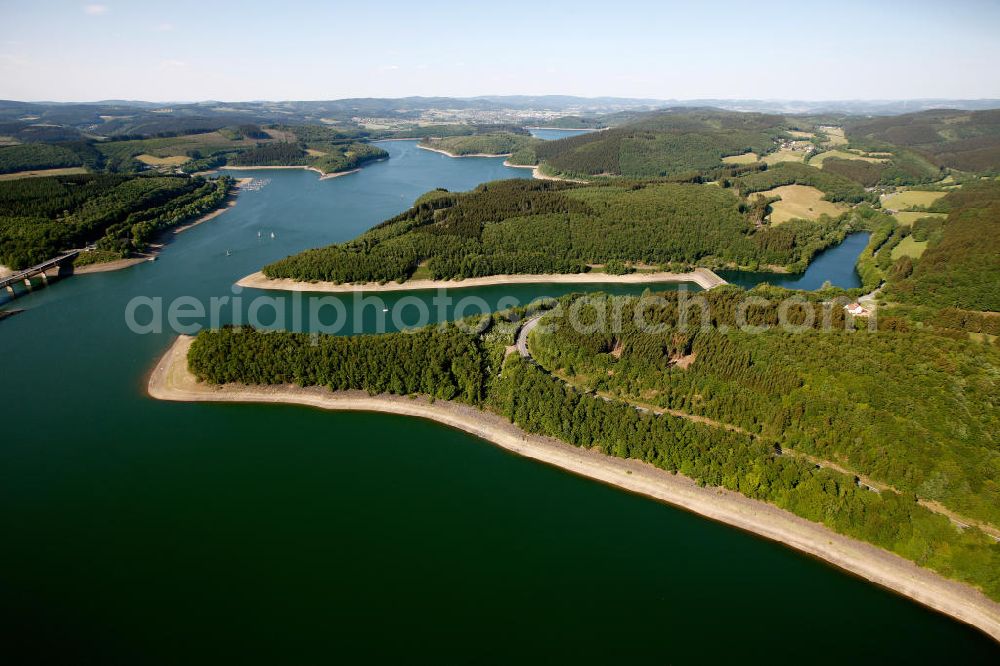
(289, 49)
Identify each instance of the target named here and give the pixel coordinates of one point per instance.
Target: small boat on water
(273, 236)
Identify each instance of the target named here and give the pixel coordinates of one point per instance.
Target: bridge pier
(10, 290)
(27, 283)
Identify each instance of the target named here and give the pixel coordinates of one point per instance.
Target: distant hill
(965, 140)
(664, 144)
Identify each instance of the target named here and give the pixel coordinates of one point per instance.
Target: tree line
(907, 407)
(40, 217)
(522, 226)
(453, 364)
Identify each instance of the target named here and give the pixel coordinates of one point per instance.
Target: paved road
(522, 336)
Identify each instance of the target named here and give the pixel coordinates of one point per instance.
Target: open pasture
(800, 202)
(910, 199)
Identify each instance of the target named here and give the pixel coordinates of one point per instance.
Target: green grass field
(817, 160)
(909, 247)
(835, 136)
(908, 217)
(173, 160)
(68, 171)
(745, 158)
(800, 202)
(910, 199)
(784, 156)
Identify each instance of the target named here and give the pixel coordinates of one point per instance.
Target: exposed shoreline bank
(163, 238)
(171, 380)
(322, 174)
(567, 129)
(536, 173)
(536, 170)
(702, 277)
(445, 152)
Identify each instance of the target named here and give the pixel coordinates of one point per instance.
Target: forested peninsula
(519, 148)
(629, 395)
(118, 214)
(519, 226)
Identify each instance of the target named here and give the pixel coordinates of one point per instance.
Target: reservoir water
(835, 265)
(551, 134)
(137, 531)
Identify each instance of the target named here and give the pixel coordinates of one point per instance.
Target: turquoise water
(138, 531)
(553, 134)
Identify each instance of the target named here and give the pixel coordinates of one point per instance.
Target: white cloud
(388, 68)
(172, 64)
(164, 27)
(95, 10)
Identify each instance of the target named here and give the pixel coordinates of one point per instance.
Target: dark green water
(835, 264)
(137, 531)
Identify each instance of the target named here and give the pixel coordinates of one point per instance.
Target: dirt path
(863, 480)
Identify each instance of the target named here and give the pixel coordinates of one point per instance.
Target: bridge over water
(48, 268)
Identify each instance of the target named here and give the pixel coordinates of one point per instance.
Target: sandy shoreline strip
(171, 380)
(322, 174)
(536, 173)
(567, 129)
(702, 277)
(164, 236)
(536, 170)
(445, 152)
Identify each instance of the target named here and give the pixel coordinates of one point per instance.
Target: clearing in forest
(817, 160)
(908, 217)
(35, 173)
(910, 247)
(154, 161)
(800, 202)
(784, 156)
(835, 136)
(745, 158)
(910, 199)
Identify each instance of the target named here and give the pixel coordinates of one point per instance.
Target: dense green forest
(521, 226)
(666, 144)
(965, 140)
(499, 143)
(573, 122)
(836, 187)
(449, 130)
(445, 363)
(464, 367)
(39, 217)
(912, 409)
(37, 156)
(270, 154)
(866, 174)
(325, 148)
(962, 261)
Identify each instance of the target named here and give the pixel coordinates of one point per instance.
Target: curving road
(962, 522)
(522, 335)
